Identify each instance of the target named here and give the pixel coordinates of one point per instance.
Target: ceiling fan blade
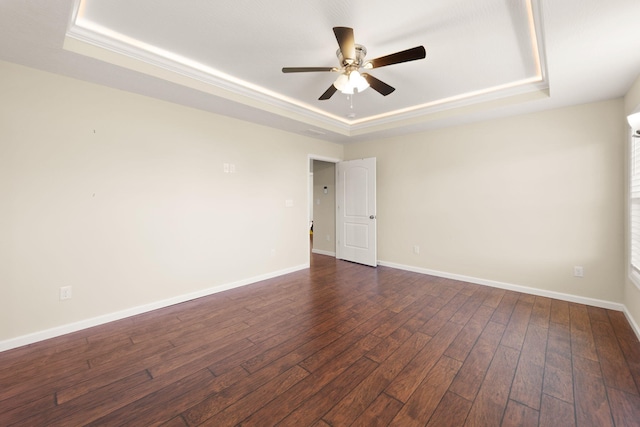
(306, 69)
(344, 36)
(328, 93)
(399, 57)
(378, 85)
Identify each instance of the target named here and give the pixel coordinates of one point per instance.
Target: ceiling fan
(351, 57)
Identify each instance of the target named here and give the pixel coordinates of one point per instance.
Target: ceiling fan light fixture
(341, 82)
(357, 81)
(349, 83)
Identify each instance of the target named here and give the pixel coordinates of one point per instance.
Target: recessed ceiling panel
(473, 49)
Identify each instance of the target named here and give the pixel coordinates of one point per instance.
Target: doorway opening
(322, 205)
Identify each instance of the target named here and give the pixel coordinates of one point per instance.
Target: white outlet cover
(65, 292)
(578, 271)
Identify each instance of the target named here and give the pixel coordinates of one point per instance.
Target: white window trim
(633, 172)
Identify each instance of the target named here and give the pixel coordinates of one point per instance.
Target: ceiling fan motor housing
(353, 63)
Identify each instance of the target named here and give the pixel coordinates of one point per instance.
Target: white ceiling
(485, 58)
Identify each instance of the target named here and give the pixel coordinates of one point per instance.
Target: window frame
(633, 181)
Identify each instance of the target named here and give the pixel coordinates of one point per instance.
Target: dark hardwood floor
(337, 345)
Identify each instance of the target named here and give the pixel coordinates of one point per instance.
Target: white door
(356, 211)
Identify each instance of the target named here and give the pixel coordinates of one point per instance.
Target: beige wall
(124, 198)
(519, 200)
(324, 209)
(631, 292)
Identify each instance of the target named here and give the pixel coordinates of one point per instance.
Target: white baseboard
(632, 322)
(524, 289)
(321, 252)
(99, 320)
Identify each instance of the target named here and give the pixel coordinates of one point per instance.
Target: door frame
(310, 158)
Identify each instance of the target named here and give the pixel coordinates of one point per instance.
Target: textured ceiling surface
(484, 59)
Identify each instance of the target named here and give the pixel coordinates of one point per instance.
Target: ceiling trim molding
(90, 39)
(152, 61)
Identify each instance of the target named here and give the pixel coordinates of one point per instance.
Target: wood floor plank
(517, 327)
(452, 411)
(558, 377)
(402, 317)
(179, 331)
(630, 349)
(621, 326)
(202, 356)
(615, 371)
(528, 380)
(591, 403)
(317, 405)
(425, 399)
(582, 343)
(379, 413)
(288, 401)
(559, 340)
(260, 355)
(255, 400)
(160, 405)
(11, 413)
(473, 370)
(12, 360)
(559, 312)
(491, 401)
(87, 408)
(442, 317)
(389, 344)
(354, 403)
(337, 344)
(124, 353)
(303, 347)
(625, 407)
(494, 297)
(470, 306)
(206, 408)
(174, 422)
(541, 312)
(462, 344)
(44, 378)
(519, 415)
(417, 369)
(555, 412)
(503, 311)
(326, 354)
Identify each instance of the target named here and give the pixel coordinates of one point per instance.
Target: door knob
(372, 217)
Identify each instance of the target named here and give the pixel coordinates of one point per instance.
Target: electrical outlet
(578, 271)
(65, 293)
(416, 249)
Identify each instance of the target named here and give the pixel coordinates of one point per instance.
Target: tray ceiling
(484, 59)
